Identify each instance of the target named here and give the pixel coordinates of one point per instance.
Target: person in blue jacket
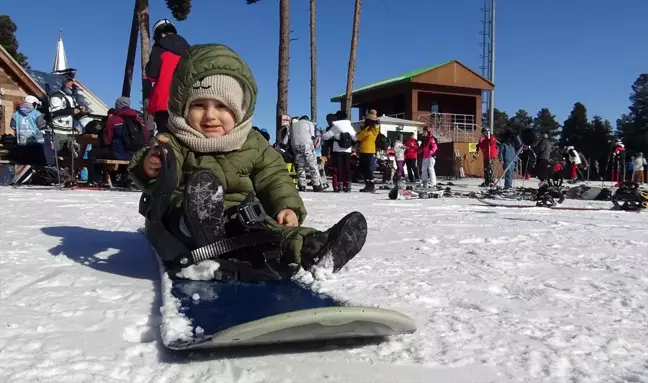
(509, 149)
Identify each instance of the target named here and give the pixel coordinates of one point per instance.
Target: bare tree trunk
(313, 49)
(352, 58)
(130, 55)
(143, 16)
(284, 58)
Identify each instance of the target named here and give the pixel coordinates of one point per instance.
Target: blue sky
(549, 53)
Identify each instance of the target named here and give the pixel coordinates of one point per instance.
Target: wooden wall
(14, 95)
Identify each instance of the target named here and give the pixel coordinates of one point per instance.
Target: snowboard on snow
(227, 314)
(411, 193)
(521, 206)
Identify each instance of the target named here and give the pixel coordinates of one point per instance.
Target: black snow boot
(369, 187)
(347, 187)
(204, 207)
(342, 241)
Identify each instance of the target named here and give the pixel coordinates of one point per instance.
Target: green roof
(390, 81)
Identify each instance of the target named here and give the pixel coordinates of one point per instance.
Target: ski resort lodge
(445, 97)
(17, 82)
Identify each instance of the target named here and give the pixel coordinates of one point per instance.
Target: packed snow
(498, 294)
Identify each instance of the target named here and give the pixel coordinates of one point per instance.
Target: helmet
(163, 26)
(32, 100)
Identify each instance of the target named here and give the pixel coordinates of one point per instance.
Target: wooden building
(446, 97)
(17, 82)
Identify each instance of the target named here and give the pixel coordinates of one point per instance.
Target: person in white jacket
(343, 136)
(399, 153)
(638, 170)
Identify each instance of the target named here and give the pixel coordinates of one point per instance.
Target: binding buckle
(250, 212)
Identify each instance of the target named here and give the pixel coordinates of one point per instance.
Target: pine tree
(634, 126)
(575, 127)
(597, 142)
(8, 40)
(500, 120)
(520, 121)
(545, 123)
(179, 8)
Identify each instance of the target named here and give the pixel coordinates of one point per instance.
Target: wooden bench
(109, 167)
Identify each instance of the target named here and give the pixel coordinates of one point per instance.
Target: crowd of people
(524, 154)
(347, 155)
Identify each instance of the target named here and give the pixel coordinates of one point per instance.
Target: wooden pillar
(413, 105)
(478, 110)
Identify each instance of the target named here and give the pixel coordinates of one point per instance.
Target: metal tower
(488, 57)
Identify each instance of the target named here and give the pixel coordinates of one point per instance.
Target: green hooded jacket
(256, 167)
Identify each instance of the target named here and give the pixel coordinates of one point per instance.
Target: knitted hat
(372, 115)
(223, 88)
(122, 102)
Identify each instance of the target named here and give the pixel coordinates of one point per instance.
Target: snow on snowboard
(211, 314)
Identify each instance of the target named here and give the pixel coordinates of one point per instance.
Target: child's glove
(152, 163)
(287, 217)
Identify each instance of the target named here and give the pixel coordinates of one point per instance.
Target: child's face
(210, 117)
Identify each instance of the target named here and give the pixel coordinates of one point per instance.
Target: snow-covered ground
(524, 295)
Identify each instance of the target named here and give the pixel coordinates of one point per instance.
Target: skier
(543, 152)
(64, 111)
(508, 155)
(618, 163)
(488, 145)
(209, 182)
(165, 54)
(367, 151)
(574, 162)
(29, 127)
(639, 165)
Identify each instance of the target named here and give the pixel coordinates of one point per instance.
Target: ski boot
(549, 194)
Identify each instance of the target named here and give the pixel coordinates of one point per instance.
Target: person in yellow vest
(367, 151)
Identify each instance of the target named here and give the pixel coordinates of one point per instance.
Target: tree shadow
(131, 253)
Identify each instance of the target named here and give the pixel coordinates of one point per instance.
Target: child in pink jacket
(428, 149)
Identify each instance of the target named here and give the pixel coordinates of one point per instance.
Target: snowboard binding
(629, 197)
(550, 194)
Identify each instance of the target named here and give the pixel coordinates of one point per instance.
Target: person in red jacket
(165, 54)
(488, 145)
(411, 156)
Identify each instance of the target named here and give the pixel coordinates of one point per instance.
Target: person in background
(631, 168)
(411, 157)
(367, 137)
(116, 142)
(29, 126)
(543, 153)
(488, 145)
(343, 136)
(327, 153)
(317, 143)
(167, 48)
(399, 154)
(574, 162)
(428, 150)
(508, 155)
(301, 142)
(64, 111)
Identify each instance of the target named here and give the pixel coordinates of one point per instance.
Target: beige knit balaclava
(227, 90)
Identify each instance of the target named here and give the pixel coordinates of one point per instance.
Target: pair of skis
(520, 206)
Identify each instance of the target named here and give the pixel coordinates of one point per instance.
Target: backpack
(381, 142)
(345, 141)
(133, 134)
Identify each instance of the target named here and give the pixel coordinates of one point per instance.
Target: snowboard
(494, 204)
(227, 314)
(407, 193)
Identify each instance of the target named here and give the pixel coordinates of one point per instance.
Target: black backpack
(133, 134)
(381, 142)
(345, 141)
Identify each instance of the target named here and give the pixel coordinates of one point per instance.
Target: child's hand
(287, 217)
(152, 162)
